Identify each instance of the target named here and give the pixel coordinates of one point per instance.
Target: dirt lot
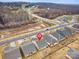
(24, 29)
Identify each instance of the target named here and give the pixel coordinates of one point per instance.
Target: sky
(51, 1)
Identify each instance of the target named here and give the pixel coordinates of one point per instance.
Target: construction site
(19, 30)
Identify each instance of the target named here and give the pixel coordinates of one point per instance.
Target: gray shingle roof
(11, 53)
(61, 32)
(76, 26)
(69, 30)
(28, 48)
(42, 44)
(49, 39)
(66, 32)
(73, 54)
(57, 35)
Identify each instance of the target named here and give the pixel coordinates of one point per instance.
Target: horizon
(45, 1)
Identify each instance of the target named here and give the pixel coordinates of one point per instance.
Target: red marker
(39, 36)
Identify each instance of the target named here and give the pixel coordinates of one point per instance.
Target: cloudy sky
(53, 1)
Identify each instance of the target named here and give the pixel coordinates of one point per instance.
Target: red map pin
(39, 36)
